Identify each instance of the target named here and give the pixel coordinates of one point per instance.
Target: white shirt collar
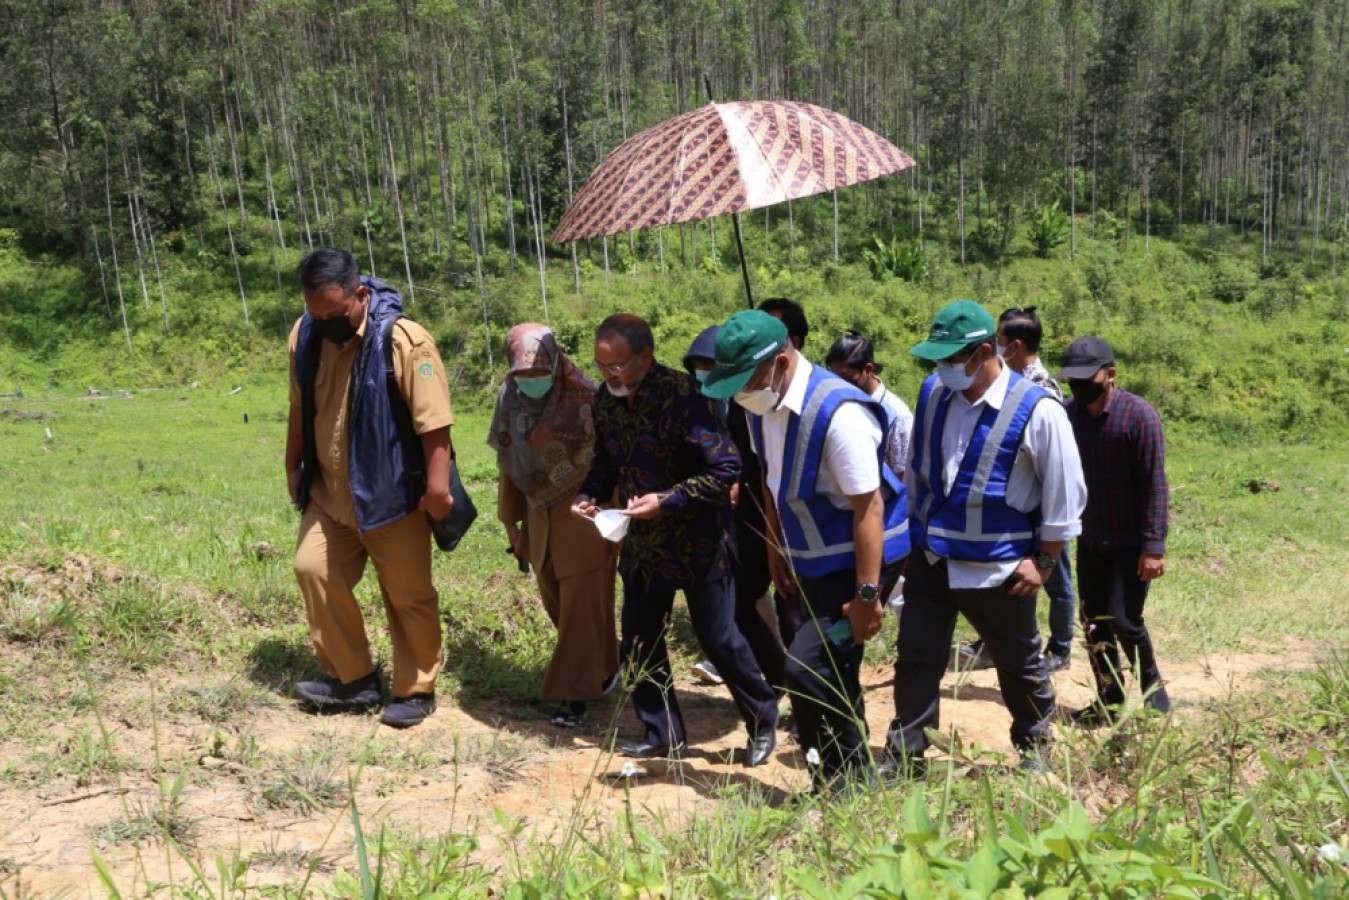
(794, 399)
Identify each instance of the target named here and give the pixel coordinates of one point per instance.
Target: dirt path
(458, 772)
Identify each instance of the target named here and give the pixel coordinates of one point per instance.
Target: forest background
(1174, 175)
(1171, 174)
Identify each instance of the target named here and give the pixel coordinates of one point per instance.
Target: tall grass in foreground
(1248, 799)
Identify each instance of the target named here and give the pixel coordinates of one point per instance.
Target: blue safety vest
(816, 535)
(382, 488)
(973, 523)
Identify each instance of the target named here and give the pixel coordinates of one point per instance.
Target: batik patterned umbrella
(725, 158)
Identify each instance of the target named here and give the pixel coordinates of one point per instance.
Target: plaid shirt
(1124, 461)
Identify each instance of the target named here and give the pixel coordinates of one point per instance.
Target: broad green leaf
(914, 873)
(982, 873)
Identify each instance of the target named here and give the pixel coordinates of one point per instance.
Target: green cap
(955, 327)
(747, 339)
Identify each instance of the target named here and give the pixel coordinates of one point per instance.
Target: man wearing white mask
(837, 526)
(995, 489)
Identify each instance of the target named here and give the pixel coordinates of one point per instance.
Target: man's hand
(584, 507)
(293, 483)
(781, 573)
(646, 506)
(1027, 579)
(1151, 566)
(865, 618)
(437, 504)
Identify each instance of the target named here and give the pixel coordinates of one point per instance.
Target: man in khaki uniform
(359, 488)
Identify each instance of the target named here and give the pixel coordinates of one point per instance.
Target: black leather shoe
(894, 768)
(1035, 762)
(644, 750)
(1057, 662)
(971, 657)
(331, 695)
(1096, 715)
(760, 748)
(404, 712)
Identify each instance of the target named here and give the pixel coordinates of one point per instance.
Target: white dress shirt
(1047, 473)
(901, 427)
(850, 465)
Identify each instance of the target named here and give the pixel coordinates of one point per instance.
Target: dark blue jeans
(1062, 604)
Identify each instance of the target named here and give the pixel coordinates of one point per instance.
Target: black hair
(792, 315)
(328, 266)
(1022, 325)
(632, 329)
(853, 350)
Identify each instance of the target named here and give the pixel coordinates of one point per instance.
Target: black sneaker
(1057, 662)
(569, 715)
(404, 712)
(971, 656)
(1035, 761)
(331, 695)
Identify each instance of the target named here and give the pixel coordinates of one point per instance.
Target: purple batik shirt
(1123, 455)
(669, 440)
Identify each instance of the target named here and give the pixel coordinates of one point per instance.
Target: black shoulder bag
(450, 530)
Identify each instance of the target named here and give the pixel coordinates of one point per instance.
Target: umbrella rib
(763, 154)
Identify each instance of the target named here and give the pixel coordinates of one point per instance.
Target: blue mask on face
(535, 388)
(701, 375)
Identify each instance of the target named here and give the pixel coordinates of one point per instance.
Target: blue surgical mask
(701, 374)
(535, 388)
(953, 376)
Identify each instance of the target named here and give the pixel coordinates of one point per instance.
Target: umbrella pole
(744, 266)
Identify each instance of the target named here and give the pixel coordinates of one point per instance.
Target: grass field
(145, 577)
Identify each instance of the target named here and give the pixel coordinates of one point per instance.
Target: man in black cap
(1123, 544)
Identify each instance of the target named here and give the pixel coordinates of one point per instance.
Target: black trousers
(1112, 598)
(752, 581)
(1006, 623)
(823, 680)
(712, 606)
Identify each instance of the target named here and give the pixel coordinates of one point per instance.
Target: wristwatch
(868, 592)
(1045, 561)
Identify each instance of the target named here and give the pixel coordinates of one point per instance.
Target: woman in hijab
(545, 438)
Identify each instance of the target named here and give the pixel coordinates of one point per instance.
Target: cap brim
(1076, 373)
(936, 352)
(719, 386)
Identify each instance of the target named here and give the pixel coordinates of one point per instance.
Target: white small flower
(628, 771)
(812, 757)
(1330, 853)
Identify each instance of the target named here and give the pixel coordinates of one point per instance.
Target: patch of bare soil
(465, 770)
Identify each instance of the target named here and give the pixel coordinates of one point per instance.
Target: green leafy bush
(1048, 229)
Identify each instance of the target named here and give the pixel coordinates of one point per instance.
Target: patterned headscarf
(544, 446)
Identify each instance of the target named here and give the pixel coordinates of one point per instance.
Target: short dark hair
(328, 266)
(853, 350)
(1022, 325)
(792, 315)
(632, 329)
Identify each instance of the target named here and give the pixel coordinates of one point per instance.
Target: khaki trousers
(582, 609)
(330, 561)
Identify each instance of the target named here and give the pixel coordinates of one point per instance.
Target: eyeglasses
(615, 369)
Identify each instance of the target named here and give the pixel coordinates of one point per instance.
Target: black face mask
(338, 330)
(1086, 391)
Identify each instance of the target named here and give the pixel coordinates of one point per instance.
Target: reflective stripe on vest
(818, 536)
(973, 523)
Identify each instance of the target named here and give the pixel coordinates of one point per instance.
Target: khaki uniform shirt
(421, 379)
